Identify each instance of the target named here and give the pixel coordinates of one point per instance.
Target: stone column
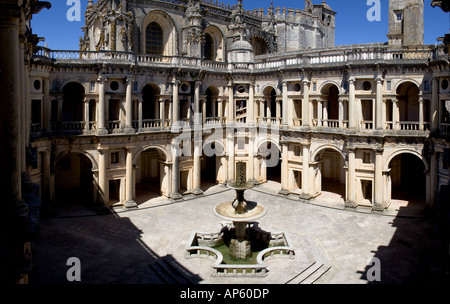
(140, 123)
(251, 154)
(86, 116)
(284, 169)
(325, 113)
(319, 113)
(341, 113)
(261, 108)
(197, 116)
(434, 105)
(176, 103)
(231, 104)
(47, 107)
(421, 120)
(162, 112)
(220, 109)
(101, 125)
(284, 121)
(230, 152)
(197, 157)
(129, 107)
(378, 183)
(434, 186)
(379, 105)
(175, 173)
(251, 104)
(351, 181)
(351, 104)
(129, 200)
(305, 104)
(46, 164)
(10, 111)
(305, 173)
(102, 182)
(395, 115)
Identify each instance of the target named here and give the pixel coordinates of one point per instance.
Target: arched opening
(270, 155)
(330, 111)
(211, 164)
(272, 107)
(408, 179)
(74, 187)
(72, 108)
(331, 166)
(208, 47)
(154, 39)
(151, 173)
(259, 45)
(408, 105)
(150, 103)
(211, 103)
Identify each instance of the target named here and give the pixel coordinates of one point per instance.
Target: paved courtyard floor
(119, 247)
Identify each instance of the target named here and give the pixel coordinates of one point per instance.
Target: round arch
(63, 153)
(162, 152)
(327, 85)
(267, 90)
(170, 32)
(218, 42)
(271, 141)
(330, 147)
(408, 151)
(404, 81)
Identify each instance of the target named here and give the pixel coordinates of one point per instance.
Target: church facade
(165, 97)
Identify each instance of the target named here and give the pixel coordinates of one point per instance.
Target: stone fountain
(232, 246)
(240, 212)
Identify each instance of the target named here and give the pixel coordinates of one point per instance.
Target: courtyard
(132, 246)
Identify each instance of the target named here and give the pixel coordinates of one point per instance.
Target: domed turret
(241, 51)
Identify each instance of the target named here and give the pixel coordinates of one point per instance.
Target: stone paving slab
(117, 248)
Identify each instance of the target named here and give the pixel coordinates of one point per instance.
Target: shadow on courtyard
(110, 250)
(416, 253)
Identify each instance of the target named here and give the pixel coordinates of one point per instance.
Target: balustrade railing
(271, 121)
(445, 128)
(114, 125)
(409, 126)
(367, 124)
(297, 122)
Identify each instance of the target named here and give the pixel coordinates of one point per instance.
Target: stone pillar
(101, 125)
(421, 120)
(284, 120)
(129, 107)
(351, 104)
(197, 157)
(47, 107)
(175, 174)
(341, 113)
(176, 103)
(351, 179)
(140, 123)
(305, 173)
(251, 104)
(395, 115)
(325, 113)
(197, 117)
(10, 111)
(305, 104)
(434, 105)
(46, 164)
(319, 113)
(379, 204)
(230, 152)
(261, 108)
(231, 104)
(86, 116)
(284, 169)
(434, 186)
(102, 182)
(162, 112)
(129, 200)
(379, 105)
(251, 154)
(220, 109)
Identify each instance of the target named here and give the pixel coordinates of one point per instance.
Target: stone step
(309, 273)
(169, 272)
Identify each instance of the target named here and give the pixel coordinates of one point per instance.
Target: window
(115, 157)
(37, 85)
(154, 39)
(399, 16)
(426, 86)
(367, 158)
(297, 150)
(209, 47)
(388, 85)
(444, 84)
(114, 85)
(92, 86)
(367, 86)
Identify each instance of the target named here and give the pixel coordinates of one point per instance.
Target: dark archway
(74, 185)
(73, 102)
(150, 170)
(332, 171)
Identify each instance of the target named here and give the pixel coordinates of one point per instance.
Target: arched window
(154, 39)
(209, 47)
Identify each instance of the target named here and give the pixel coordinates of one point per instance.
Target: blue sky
(352, 26)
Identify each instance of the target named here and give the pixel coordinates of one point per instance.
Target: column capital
(102, 150)
(351, 80)
(129, 80)
(102, 79)
(130, 148)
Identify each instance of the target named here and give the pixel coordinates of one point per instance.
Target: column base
(102, 132)
(351, 204)
(176, 196)
(283, 192)
(130, 204)
(129, 130)
(197, 191)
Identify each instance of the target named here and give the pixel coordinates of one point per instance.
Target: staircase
(170, 272)
(309, 273)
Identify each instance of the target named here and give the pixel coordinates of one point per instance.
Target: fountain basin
(227, 212)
